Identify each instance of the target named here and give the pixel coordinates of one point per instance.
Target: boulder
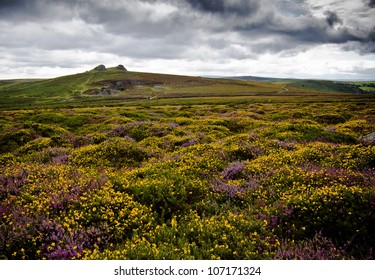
(368, 139)
(120, 67)
(100, 67)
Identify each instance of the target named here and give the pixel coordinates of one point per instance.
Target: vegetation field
(265, 176)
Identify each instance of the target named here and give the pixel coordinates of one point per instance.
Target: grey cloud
(14, 5)
(37, 10)
(234, 7)
(296, 33)
(364, 45)
(236, 29)
(17, 9)
(133, 20)
(332, 18)
(371, 4)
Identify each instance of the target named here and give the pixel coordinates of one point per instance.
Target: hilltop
(117, 86)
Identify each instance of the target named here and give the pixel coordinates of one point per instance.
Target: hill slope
(317, 85)
(116, 87)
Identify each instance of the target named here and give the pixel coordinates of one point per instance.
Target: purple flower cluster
(77, 141)
(55, 155)
(158, 131)
(317, 248)
(59, 202)
(4, 209)
(229, 190)
(120, 131)
(60, 159)
(191, 142)
(233, 171)
(59, 244)
(10, 185)
(236, 170)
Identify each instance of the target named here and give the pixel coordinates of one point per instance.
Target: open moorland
(124, 165)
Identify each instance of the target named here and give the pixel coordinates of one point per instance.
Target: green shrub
(340, 213)
(228, 236)
(136, 115)
(356, 127)
(46, 130)
(330, 118)
(168, 192)
(67, 121)
(114, 213)
(114, 152)
(35, 145)
(11, 140)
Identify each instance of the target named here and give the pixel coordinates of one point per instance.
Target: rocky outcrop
(100, 67)
(103, 91)
(120, 67)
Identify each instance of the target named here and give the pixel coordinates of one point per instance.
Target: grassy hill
(116, 87)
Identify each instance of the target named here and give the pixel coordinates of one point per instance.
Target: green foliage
(66, 121)
(136, 115)
(191, 237)
(35, 145)
(114, 152)
(11, 140)
(330, 118)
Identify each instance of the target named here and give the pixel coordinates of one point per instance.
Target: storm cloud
(238, 8)
(189, 31)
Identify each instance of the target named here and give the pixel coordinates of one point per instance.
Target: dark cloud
(236, 7)
(13, 4)
(10, 8)
(364, 45)
(37, 10)
(185, 29)
(299, 33)
(332, 18)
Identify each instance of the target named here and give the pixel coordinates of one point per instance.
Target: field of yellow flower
(235, 181)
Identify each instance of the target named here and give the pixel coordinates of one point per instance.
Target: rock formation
(100, 67)
(120, 67)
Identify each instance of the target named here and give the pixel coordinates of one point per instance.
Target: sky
(317, 39)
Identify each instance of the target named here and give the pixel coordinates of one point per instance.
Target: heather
(254, 180)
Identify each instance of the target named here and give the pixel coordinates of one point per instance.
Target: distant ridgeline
(102, 67)
(357, 88)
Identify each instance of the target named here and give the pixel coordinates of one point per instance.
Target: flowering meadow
(266, 180)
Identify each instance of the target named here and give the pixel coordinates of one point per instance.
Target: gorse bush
(114, 152)
(15, 138)
(236, 181)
